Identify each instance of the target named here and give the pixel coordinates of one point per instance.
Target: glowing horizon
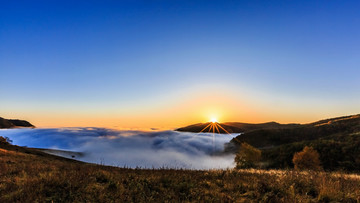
(198, 108)
(214, 120)
(175, 113)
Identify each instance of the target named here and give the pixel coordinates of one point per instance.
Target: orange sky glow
(176, 112)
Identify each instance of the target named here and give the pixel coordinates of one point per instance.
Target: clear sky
(141, 64)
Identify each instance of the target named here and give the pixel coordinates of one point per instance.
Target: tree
(308, 159)
(247, 157)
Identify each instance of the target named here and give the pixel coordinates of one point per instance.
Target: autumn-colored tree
(308, 159)
(247, 157)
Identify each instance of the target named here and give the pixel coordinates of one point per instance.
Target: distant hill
(269, 137)
(237, 127)
(336, 139)
(14, 123)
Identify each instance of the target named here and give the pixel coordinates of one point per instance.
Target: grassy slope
(28, 175)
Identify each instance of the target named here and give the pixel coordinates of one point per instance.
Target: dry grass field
(29, 175)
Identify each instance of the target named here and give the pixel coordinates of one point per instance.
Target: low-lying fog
(169, 149)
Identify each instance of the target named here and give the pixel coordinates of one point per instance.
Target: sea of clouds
(123, 148)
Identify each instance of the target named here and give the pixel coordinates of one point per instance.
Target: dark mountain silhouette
(270, 137)
(14, 123)
(237, 127)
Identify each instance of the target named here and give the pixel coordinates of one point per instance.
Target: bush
(247, 157)
(5, 140)
(307, 159)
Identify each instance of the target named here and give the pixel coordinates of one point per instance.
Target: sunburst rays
(213, 127)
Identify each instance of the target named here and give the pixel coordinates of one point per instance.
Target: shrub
(5, 140)
(308, 159)
(247, 157)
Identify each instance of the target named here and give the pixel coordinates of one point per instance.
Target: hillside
(29, 175)
(337, 140)
(237, 127)
(14, 123)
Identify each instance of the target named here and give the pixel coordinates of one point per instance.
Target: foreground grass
(28, 175)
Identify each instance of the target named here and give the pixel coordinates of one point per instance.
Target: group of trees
(250, 157)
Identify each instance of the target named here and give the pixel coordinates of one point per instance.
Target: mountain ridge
(14, 123)
(237, 127)
(241, 127)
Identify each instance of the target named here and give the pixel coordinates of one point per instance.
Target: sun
(213, 120)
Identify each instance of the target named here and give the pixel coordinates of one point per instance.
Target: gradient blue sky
(169, 63)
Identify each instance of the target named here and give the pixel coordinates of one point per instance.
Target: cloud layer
(169, 149)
